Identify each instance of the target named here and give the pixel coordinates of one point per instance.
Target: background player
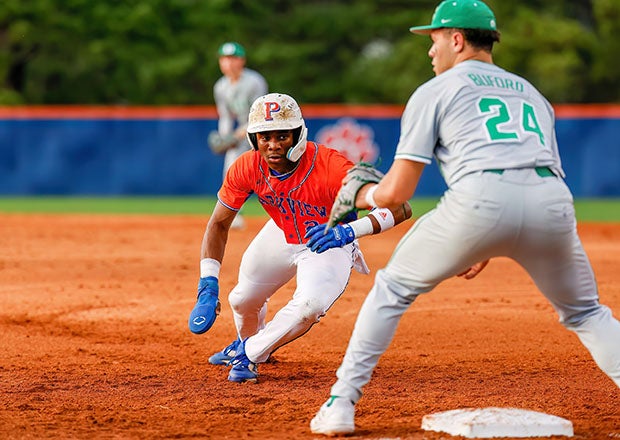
(296, 182)
(493, 135)
(234, 93)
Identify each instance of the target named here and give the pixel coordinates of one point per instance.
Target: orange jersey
(296, 203)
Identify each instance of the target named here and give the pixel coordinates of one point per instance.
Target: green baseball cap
(231, 49)
(461, 14)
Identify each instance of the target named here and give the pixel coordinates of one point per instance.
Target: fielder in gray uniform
(492, 134)
(234, 93)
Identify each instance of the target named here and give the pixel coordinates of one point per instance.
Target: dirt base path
(93, 320)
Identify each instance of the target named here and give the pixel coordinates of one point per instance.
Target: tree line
(164, 52)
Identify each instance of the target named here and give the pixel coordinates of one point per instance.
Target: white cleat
(335, 418)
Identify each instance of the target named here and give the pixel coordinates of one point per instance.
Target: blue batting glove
(207, 306)
(321, 240)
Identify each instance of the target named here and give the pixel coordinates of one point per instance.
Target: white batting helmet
(277, 111)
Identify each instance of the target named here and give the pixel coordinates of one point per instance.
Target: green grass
(141, 205)
(598, 210)
(111, 205)
(604, 210)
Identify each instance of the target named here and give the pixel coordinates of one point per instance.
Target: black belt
(541, 171)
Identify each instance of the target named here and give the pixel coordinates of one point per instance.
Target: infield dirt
(93, 318)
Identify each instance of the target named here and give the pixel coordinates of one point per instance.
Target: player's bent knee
(243, 303)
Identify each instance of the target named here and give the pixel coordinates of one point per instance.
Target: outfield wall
(104, 151)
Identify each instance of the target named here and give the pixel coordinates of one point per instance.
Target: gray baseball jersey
(493, 137)
(233, 102)
(477, 116)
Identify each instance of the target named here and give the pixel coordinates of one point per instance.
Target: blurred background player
(296, 182)
(493, 135)
(234, 93)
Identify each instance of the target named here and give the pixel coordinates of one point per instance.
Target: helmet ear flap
(252, 139)
(295, 153)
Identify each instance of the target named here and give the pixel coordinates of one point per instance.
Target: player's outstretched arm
(398, 186)
(365, 187)
(378, 220)
(207, 306)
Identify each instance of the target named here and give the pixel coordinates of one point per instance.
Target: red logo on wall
(353, 140)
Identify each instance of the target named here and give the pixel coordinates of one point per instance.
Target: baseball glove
(359, 175)
(220, 144)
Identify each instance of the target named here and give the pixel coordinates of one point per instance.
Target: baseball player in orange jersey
(296, 182)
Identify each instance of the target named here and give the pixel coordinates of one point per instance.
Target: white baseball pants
(517, 214)
(269, 263)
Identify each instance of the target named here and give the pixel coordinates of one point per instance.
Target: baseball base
(497, 422)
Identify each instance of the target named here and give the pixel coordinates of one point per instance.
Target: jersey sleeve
(237, 185)
(338, 165)
(342, 165)
(419, 132)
